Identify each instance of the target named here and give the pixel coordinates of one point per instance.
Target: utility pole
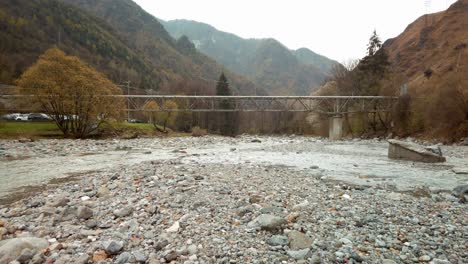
(427, 4)
(128, 101)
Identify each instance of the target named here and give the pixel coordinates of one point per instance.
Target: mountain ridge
(255, 58)
(116, 37)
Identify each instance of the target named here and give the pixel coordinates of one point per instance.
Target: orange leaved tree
(164, 115)
(78, 98)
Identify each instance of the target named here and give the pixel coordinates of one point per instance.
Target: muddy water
(357, 162)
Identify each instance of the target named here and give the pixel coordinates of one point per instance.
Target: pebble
(278, 240)
(126, 211)
(268, 222)
(84, 212)
(298, 240)
(299, 254)
(113, 247)
(174, 228)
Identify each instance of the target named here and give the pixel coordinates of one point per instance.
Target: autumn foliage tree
(164, 116)
(77, 97)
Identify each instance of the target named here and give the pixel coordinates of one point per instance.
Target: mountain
(306, 56)
(432, 57)
(266, 62)
(116, 37)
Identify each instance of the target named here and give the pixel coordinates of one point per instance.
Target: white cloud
(338, 29)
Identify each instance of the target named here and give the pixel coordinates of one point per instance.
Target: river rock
(268, 222)
(277, 240)
(123, 258)
(84, 212)
(83, 259)
(174, 228)
(26, 255)
(139, 256)
(298, 240)
(301, 206)
(99, 255)
(11, 249)
(299, 254)
(126, 211)
(60, 201)
(460, 191)
(113, 247)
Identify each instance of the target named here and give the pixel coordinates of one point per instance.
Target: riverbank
(225, 200)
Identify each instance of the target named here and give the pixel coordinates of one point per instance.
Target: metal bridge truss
(329, 105)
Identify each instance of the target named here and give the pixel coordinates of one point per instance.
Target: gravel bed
(185, 210)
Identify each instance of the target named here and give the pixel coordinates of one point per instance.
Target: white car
(12, 116)
(22, 117)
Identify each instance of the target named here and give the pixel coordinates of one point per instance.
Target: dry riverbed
(223, 200)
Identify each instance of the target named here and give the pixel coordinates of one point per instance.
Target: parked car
(22, 117)
(10, 117)
(38, 117)
(136, 121)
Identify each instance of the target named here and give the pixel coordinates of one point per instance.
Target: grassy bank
(37, 130)
(12, 130)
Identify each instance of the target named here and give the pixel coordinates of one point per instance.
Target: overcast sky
(338, 29)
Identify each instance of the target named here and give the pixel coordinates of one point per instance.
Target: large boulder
(410, 151)
(460, 192)
(11, 249)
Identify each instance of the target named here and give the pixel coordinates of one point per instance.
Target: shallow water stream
(356, 162)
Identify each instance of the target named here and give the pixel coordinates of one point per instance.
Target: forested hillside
(28, 28)
(427, 66)
(266, 62)
(116, 37)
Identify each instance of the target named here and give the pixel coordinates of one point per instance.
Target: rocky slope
(431, 57)
(435, 42)
(265, 61)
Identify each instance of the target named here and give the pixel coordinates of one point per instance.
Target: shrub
(199, 132)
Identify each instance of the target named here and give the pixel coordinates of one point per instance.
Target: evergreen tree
(227, 120)
(374, 44)
(372, 68)
(222, 86)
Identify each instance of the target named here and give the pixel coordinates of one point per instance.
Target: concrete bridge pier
(335, 131)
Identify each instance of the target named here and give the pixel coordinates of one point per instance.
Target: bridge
(332, 106)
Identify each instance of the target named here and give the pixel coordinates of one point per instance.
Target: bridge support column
(335, 131)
